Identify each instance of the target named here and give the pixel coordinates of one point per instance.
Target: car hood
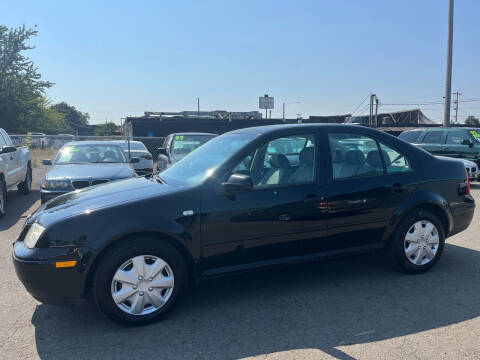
(86, 171)
(88, 200)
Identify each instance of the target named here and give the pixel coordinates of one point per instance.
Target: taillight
(467, 187)
(147, 157)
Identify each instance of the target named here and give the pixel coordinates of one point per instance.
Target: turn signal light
(65, 264)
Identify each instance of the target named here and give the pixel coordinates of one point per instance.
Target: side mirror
(134, 160)
(468, 142)
(7, 149)
(47, 162)
(162, 151)
(238, 183)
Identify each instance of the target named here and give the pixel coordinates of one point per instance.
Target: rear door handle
(313, 199)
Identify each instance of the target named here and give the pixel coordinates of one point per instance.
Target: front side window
(433, 137)
(354, 156)
(283, 161)
(395, 162)
(456, 137)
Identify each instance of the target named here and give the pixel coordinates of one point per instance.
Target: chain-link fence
(46, 146)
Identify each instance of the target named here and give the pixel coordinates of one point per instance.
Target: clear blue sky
(119, 58)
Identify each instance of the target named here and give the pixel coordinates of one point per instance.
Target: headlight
(33, 234)
(56, 184)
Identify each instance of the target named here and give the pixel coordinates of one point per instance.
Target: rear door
(369, 180)
(433, 141)
(12, 161)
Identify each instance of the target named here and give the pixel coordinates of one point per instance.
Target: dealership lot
(356, 308)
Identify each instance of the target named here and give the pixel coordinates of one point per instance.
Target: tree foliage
(72, 115)
(109, 128)
(472, 121)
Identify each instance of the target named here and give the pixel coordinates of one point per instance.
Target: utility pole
(198, 106)
(456, 106)
(370, 117)
(448, 81)
(376, 111)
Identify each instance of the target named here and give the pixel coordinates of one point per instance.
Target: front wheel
(418, 242)
(139, 281)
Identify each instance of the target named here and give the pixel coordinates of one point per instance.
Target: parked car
(81, 164)
(455, 142)
(138, 150)
(177, 146)
(235, 204)
(472, 168)
(62, 139)
(39, 140)
(15, 169)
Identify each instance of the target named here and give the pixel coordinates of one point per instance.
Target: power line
(365, 98)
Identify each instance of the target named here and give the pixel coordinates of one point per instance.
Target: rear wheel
(139, 281)
(418, 242)
(3, 197)
(25, 186)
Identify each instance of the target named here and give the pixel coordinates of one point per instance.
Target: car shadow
(305, 307)
(17, 205)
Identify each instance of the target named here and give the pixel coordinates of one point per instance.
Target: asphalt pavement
(352, 309)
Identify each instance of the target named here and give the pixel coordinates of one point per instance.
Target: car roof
(123, 141)
(90, 142)
(192, 133)
(261, 130)
(468, 128)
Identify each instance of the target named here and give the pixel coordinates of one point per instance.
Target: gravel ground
(353, 309)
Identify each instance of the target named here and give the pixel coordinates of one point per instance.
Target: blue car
(82, 164)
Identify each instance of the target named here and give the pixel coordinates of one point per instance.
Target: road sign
(265, 102)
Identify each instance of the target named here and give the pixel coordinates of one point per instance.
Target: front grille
(80, 184)
(100, 181)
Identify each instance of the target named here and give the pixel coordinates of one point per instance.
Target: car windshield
(133, 146)
(200, 164)
(98, 153)
(185, 144)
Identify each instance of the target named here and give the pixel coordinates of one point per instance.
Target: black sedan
(82, 164)
(249, 199)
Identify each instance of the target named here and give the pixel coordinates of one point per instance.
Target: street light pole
(448, 81)
(198, 106)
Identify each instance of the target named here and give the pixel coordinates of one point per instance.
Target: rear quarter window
(410, 136)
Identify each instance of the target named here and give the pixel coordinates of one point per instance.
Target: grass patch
(37, 155)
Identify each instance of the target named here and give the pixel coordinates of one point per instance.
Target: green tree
(472, 121)
(21, 88)
(72, 115)
(109, 128)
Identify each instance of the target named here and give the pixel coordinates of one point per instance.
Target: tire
(26, 186)
(104, 285)
(3, 198)
(416, 257)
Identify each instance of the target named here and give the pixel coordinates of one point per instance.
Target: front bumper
(36, 270)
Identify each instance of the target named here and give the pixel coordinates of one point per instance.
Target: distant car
(470, 166)
(15, 169)
(176, 146)
(457, 142)
(82, 164)
(39, 140)
(139, 150)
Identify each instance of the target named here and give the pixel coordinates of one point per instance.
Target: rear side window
(433, 137)
(410, 136)
(395, 162)
(456, 137)
(354, 156)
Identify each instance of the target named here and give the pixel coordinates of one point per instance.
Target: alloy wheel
(142, 285)
(421, 242)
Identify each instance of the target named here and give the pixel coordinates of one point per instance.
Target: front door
(284, 208)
